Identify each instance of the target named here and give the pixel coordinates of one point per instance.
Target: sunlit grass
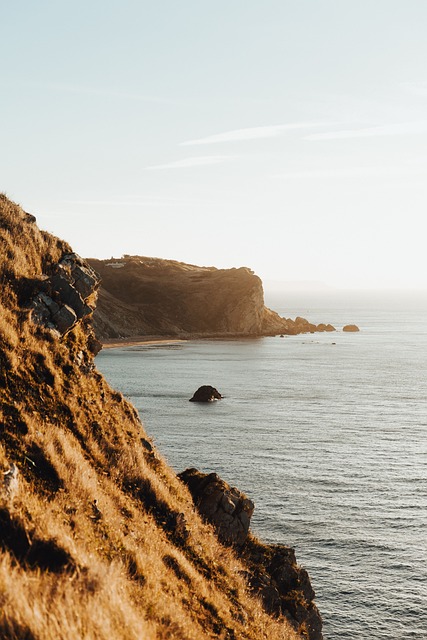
(89, 545)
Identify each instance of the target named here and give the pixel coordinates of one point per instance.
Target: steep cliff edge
(98, 537)
(150, 296)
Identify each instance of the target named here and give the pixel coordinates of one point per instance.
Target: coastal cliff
(141, 296)
(99, 538)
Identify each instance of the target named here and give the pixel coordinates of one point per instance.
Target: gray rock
(65, 319)
(61, 302)
(69, 295)
(227, 508)
(85, 281)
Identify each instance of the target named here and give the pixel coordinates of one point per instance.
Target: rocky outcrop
(283, 586)
(273, 573)
(98, 536)
(206, 393)
(227, 508)
(351, 328)
(65, 297)
(142, 296)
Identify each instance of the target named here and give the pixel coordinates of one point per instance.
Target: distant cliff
(149, 296)
(99, 538)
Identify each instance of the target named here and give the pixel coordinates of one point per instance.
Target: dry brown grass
(93, 543)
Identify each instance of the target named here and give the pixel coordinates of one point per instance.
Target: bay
(325, 432)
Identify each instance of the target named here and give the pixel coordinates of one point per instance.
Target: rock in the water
(351, 327)
(325, 327)
(227, 508)
(206, 393)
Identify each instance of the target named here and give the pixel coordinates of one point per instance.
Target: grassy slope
(93, 544)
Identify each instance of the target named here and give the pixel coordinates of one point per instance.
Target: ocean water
(327, 433)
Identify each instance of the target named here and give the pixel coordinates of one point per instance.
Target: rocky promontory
(99, 538)
(141, 296)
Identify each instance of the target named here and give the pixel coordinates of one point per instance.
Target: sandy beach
(139, 340)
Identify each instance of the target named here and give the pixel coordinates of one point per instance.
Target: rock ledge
(273, 573)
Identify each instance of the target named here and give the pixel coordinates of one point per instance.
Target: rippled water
(329, 440)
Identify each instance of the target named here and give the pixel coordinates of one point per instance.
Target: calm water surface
(326, 433)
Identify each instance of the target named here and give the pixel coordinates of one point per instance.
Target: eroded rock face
(227, 508)
(143, 296)
(273, 573)
(64, 298)
(206, 393)
(283, 586)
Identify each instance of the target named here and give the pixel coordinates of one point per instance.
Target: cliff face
(98, 537)
(149, 296)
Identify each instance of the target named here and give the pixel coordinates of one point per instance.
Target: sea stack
(206, 393)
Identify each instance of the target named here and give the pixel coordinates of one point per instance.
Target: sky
(286, 136)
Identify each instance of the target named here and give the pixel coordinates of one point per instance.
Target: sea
(325, 432)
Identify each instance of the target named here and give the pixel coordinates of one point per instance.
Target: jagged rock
(351, 327)
(283, 586)
(302, 325)
(69, 295)
(273, 573)
(63, 298)
(227, 508)
(64, 319)
(206, 393)
(84, 277)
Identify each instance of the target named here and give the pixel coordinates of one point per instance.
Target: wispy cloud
(196, 161)
(351, 172)
(395, 129)
(253, 133)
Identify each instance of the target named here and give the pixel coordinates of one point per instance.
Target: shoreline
(114, 343)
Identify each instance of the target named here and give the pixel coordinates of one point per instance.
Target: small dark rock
(206, 393)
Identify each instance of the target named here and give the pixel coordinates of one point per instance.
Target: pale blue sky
(286, 136)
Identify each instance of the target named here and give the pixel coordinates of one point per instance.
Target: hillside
(99, 538)
(141, 296)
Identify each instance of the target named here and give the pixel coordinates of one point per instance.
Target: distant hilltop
(144, 296)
